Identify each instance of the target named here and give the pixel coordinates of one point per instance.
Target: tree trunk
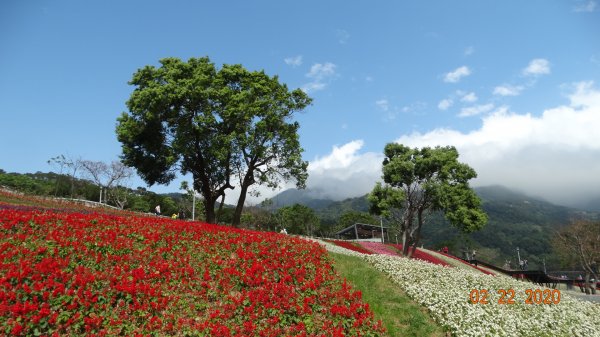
(405, 242)
(586, 283)
(246, 183)
(209, 209)
(237, 215)
(220, 211)
(418, 235)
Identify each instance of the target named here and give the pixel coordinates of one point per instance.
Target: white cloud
(555, 155)
(508, 90)
(455, 75)
(345, 172)
(313, 86)
(469, 98)
(342, 173)
(320, 71)
(586, 6)
(321, 74)
(537, 67)
(585, 95)
(383, 104)
(475, 110)
(445, 104)
(293, 61)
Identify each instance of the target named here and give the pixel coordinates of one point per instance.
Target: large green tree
(417, 182)
(215, 124)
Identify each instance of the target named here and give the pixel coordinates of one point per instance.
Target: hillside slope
(515, 220)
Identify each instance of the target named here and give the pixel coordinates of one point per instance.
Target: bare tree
(580, 242)
(111, 178)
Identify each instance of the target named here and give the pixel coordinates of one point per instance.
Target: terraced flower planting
(470, 303)
(350, 245)
(67, 273)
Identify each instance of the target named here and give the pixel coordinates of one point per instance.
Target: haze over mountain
(319, 198)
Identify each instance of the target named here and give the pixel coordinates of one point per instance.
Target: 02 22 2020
(507, 296)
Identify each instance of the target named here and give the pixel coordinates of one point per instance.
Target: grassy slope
(399, 314)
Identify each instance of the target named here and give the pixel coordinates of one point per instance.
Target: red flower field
(65, 273)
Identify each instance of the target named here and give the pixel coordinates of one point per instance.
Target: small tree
(580, 242)
(420, 181)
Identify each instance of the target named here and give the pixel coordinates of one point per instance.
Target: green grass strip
(399, 314)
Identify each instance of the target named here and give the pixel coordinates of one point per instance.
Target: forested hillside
(65, 186)
(515, 221)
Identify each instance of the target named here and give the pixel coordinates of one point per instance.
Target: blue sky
(515, 85)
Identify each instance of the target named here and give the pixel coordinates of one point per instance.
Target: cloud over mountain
(555, 155)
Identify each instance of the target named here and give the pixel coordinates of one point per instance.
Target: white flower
(445, 292)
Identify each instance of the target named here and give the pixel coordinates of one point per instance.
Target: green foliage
(298, 219)
(138, 203)
(259, 218)
(39, 183)
(349, 218)
(212, 123)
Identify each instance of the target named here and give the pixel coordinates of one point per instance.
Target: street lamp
(381, 222)
(194, 206)
(544, 262)
(519, 256)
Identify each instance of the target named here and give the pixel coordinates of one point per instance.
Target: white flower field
(449, 294)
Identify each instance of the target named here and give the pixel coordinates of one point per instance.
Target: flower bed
(445, 292)
(467, 263)
(72, 274)
(421, 255)
(350, 245)
(377, 248)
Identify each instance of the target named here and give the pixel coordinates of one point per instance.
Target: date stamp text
(507, 296)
